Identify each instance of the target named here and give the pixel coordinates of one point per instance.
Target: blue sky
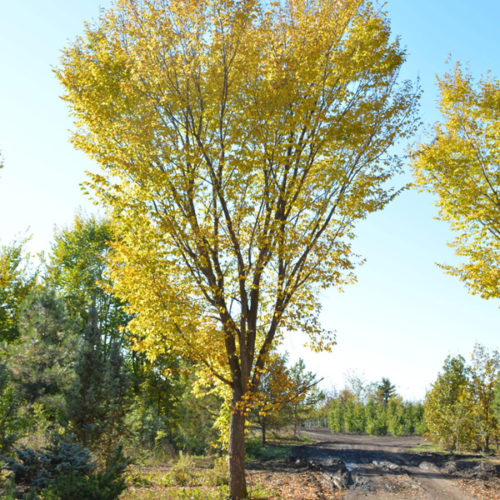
(401, 319)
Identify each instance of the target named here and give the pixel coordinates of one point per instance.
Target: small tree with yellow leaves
(240, 141)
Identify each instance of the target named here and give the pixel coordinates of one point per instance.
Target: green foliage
(106, 484)
(168, 415)
(72, 368)
(183, 471)
(41, 425)
(85, 405)
(64, 470)
(448, 410)
(41, 359)
(37, 468)
(286, 396)
(496, 400)
(11, 423)
(257, 450)
(354, 416)
(146, 430)
(336, 416)
(459, 409)
(374, 409)
(17, 279)
(77, 269)
(98, 401)
(305, 396)
(219, 474)
(194, 418)
(385, 390)
(375, 418)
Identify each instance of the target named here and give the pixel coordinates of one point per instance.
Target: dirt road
(388, 468)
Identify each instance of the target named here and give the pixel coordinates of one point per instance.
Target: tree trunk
(237, 480)
(263, 426)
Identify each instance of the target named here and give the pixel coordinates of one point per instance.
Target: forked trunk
(237, 480)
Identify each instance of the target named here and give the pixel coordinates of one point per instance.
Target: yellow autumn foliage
(239, 143)
(460, 165)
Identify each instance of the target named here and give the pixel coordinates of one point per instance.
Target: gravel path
(387, 468)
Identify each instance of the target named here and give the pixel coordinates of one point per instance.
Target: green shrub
(37, 468)
(182, 473)
(219, 474)
(107, 484)
(253, 448)
(64, 471)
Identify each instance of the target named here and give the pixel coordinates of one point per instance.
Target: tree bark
(237, 480)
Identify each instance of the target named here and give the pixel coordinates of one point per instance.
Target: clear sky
(401, 319)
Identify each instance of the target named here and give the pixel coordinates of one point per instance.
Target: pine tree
(98, 401)
(85, 400)
(385, 390)
(41, 359)
(10, 424)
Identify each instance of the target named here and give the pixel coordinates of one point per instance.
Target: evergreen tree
(116, 385)
(304, 395)
(10, 423)
(396, 418)
(381, 426)
(42, 358)
(98, 400)
(85, 399)
(354, 416)
(287, 396)
(371, 417)
(385, 390)
(366, 410)
(336, 417)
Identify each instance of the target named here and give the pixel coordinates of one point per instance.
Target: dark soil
(388, 467)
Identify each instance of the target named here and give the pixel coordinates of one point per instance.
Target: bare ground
(333, 466)
(368, 467)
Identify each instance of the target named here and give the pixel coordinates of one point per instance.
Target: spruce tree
(98, 400)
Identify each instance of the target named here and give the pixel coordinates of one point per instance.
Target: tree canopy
(239, 144)
(459, 408)
(461, 165)
(17, 279)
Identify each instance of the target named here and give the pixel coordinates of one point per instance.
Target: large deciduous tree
(239, 141)
(461, 165)
(77, 270)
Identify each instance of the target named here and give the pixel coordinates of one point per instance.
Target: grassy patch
(187, 477)
(280, 447)
(465, 455)
(429, 448)
(205, 477)
(271, 451)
